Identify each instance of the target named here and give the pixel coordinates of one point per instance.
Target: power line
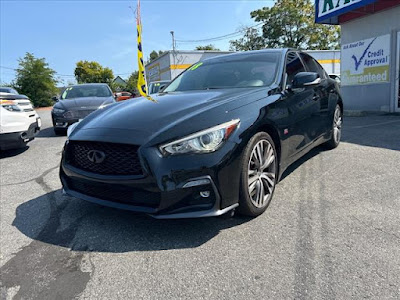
(222, 37)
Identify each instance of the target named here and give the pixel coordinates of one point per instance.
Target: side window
(293, 66)
(312, 65)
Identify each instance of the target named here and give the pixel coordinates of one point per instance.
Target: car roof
(88, 84)
(246, 53)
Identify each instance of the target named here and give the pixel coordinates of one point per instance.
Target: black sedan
(78, 101)
(217, 138)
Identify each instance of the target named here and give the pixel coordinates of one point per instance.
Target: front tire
(60, 131)
(336, 129)
(259, 173)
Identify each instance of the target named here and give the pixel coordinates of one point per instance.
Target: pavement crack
(40, 177)
(376, 228)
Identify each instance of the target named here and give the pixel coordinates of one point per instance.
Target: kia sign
(326, 9)
(366, 61)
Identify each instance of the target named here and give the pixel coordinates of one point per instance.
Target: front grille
(77, 114)
(120, 159)
(115, 193)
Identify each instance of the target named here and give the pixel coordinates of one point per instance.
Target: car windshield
(155, 86)
(81, 91)
(237, 71)
(8, 90)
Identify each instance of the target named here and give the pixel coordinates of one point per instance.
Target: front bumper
(61, 122)
(15, 140)
(165, 191)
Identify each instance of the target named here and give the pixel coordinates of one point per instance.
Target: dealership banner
(366, 61)
(326, 9)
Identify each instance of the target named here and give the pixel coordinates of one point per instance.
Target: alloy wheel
(337, 125)
(261, 173)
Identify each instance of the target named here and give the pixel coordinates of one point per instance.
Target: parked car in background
(121, 96)
(9, 90)
(78, 101)
(218, 137)
(19, 122)
(155, 86)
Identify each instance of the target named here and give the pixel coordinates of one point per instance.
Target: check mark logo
(357, 62)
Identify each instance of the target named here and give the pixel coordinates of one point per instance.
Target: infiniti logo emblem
(96, 156)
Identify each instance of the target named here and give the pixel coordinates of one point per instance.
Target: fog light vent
(196, 183)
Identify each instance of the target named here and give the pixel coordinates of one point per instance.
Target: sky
(64, 32)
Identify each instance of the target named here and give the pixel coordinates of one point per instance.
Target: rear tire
(336, 129)
(259, 174)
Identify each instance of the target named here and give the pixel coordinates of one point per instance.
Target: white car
(19, 122)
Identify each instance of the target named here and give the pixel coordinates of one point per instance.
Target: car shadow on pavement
(302, 160)
(47, 132)
(82, 226)
(12, 152)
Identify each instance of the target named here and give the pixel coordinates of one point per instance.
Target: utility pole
(173, 40)
(173, 47)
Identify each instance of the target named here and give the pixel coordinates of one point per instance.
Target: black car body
(122, 156)
(78, 101)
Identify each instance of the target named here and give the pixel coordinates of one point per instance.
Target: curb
(354, 113)
(43, 108)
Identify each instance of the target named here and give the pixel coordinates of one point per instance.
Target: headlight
(71, 128)
(58, 111)
(205, 141)
(10, 105)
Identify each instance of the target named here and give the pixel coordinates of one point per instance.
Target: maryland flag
(142, 84)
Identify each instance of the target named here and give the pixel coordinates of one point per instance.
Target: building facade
(370, 51)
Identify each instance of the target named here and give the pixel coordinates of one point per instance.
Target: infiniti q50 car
(217, 138)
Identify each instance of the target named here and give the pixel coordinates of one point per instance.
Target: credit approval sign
(366, 61)
(325, 9)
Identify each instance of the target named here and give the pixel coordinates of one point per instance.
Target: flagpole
(142, 81)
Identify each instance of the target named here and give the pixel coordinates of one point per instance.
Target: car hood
(83, 103)
(139, 120)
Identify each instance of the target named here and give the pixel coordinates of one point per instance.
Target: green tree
(251, 40)
(36, 80)
(154, 55)
(131, 83)
(290, 23)
(92, 72)
(209, 47)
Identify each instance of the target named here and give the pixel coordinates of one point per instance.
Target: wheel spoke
(268, 162)
(252, 186)
(252, 172)
(339, 123)
(259, 154)
(252, 179)
(260, 198)
(269, 177)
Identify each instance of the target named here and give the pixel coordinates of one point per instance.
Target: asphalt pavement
(331, 232)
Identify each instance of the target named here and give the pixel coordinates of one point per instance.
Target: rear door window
(293, 66)
(313, 66)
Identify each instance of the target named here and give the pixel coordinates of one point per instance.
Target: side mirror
(162, 87)
(55, 98)
(304, 79)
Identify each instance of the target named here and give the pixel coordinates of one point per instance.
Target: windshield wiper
(215, 87)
